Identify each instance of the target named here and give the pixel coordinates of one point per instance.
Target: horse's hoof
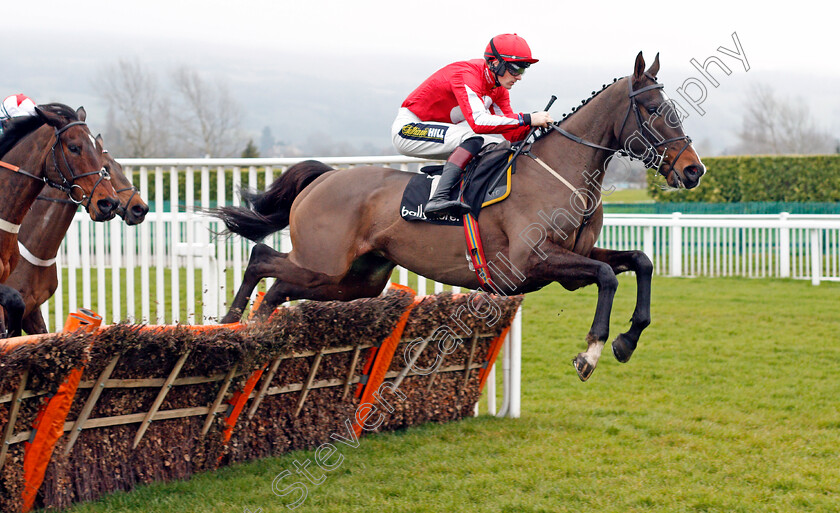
(623, 348)
(584, 368)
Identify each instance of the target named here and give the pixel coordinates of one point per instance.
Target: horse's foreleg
(573, 271)
(261, 264)
(638, 262)
(33, 324)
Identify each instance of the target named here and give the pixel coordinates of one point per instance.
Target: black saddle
(487, 181)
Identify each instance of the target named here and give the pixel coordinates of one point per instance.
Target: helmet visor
(516, 68)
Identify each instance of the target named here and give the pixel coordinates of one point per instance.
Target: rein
(652, 158)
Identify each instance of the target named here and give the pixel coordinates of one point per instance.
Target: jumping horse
(347, 233)
(53, 148)
(43, 229)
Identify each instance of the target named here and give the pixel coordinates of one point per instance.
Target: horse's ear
(50, 117)
(80, 112)
(653, 70)
(639, 68)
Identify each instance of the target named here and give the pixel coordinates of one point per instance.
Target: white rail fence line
(205, 271)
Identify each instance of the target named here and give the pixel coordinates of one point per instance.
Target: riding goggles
(516, 68)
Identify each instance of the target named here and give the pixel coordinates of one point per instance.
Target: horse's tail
(12, 303)
(268, 212)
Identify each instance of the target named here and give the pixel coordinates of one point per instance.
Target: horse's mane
(542, 132)
(16, 129)
(19, 127)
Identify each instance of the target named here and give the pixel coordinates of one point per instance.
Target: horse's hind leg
(636, 261)
(366, 277)
(261, 264)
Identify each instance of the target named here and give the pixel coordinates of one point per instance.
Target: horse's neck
(584, 166)
(45, 225)
(31, 154)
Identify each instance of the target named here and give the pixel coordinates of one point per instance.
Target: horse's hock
(97, 410)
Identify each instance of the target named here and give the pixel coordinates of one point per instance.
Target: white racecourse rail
(182, 273)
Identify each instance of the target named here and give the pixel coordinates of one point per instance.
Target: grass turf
(730, 404)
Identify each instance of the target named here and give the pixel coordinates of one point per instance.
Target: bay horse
(54, 148)
(41, 233)
(347, 233)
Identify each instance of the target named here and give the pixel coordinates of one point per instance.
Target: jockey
(17, 105)
(14, 106)
(463, 107)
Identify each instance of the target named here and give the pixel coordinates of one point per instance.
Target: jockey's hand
(541, 118)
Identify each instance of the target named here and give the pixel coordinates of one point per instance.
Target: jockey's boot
(440, 204)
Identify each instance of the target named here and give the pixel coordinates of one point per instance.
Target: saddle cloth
(488, 180)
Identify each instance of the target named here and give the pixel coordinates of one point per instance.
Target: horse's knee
(607, 280)
(644, 266)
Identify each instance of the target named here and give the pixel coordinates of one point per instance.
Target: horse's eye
(74, 149)
(652, 110)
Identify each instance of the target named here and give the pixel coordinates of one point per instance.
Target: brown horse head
(73, 161)
(657, 135)
(132, 207)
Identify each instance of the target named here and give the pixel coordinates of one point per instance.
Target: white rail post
(160, 249)
(491, 390)
(676, 245)
(516, 365)
(221, 248)
(784, 246)
(116, 266)
(174, 238)
(647, 241)
(189, 194)
(503, 410)
(145, 256)
(816, 255)
(84, 228)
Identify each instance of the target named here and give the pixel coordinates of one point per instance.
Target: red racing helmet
(511, 52)
(509, 47)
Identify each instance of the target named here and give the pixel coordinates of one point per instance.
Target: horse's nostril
(693, 171)
(107, 205)
(139, 211)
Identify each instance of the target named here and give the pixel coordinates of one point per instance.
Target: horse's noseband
(652, 157)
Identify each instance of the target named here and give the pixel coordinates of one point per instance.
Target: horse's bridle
(653, 158)
(66, 186)
(131, 188)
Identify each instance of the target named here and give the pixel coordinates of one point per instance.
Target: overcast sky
(300, 58)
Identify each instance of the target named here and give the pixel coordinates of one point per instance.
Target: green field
(730, 404)
(628, 196)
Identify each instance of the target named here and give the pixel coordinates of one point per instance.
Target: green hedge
(789, 178)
